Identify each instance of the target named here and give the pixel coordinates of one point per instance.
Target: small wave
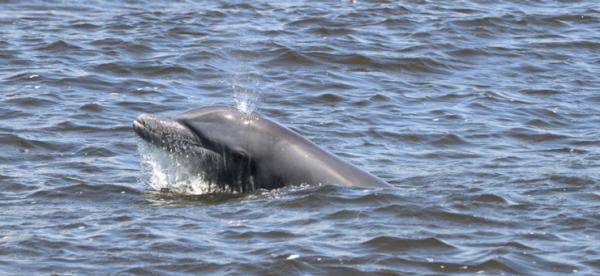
(25, 76)
(262, 235)
(485, 22)
(329, 98)
(494, 265)
(85, 191)
(237, 6)
(172, 246)
(42, 244)
(345, 214)
(92, 107)
(187, 31)
(119, 26)
(23, 143)
(92, 82)
(595, 99)
(375, 99)
(540, 236)
(66, 126)
(449, 140)
(452, 96)
(143, 106)
(131, 47)
(480, 198)
(540, 92)
(84, 25)
(572, 180)
(407, 137)
(96, 151)
(331, 31)
(469, 53)
(12, 114)
(560, 20)
(388, 243)
(454, 217)
(379, 98)
(409, 64)
(315, 21)
(397, 22)
(594, 263)
(143, 69)
(199, 56)
(511, 244)
(538, 123)
(30, 101)
(574, 44)
(166, 197)
(566, 150)
(450, 154)
(107, 42)
(290, 57)
(14, 187)
(315, 195)
(59, 46)
(529, 68)
(530, 135)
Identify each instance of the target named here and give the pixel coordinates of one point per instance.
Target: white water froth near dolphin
(175, 172)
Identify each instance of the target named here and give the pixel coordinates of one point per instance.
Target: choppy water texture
(484, 115)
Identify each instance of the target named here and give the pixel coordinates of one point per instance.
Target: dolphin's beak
(162, 132)
(140, 125)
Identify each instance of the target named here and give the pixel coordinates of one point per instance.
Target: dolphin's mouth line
(180, 157)
(166, 136)
(137, 123)
(142, 130)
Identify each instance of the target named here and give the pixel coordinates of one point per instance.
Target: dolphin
(244, 152)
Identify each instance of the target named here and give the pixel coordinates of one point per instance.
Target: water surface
(483, 115)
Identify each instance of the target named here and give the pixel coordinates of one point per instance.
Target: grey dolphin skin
(244, 152)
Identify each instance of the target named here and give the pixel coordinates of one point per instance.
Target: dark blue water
(483, 115)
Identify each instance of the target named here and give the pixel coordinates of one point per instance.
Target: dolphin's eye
(240, 155)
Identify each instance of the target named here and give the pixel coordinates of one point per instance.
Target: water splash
(175, 172)
(246, 92)
(245, 80)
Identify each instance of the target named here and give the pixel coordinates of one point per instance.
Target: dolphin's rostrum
(244, 152)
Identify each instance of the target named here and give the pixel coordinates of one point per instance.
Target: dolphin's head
(226, 134)
(167, 134)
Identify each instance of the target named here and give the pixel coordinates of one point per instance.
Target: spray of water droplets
(176, 172)
(245, 92)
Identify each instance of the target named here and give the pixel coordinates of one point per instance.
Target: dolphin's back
(313, 164)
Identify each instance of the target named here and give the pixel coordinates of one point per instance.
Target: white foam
(177, 172)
